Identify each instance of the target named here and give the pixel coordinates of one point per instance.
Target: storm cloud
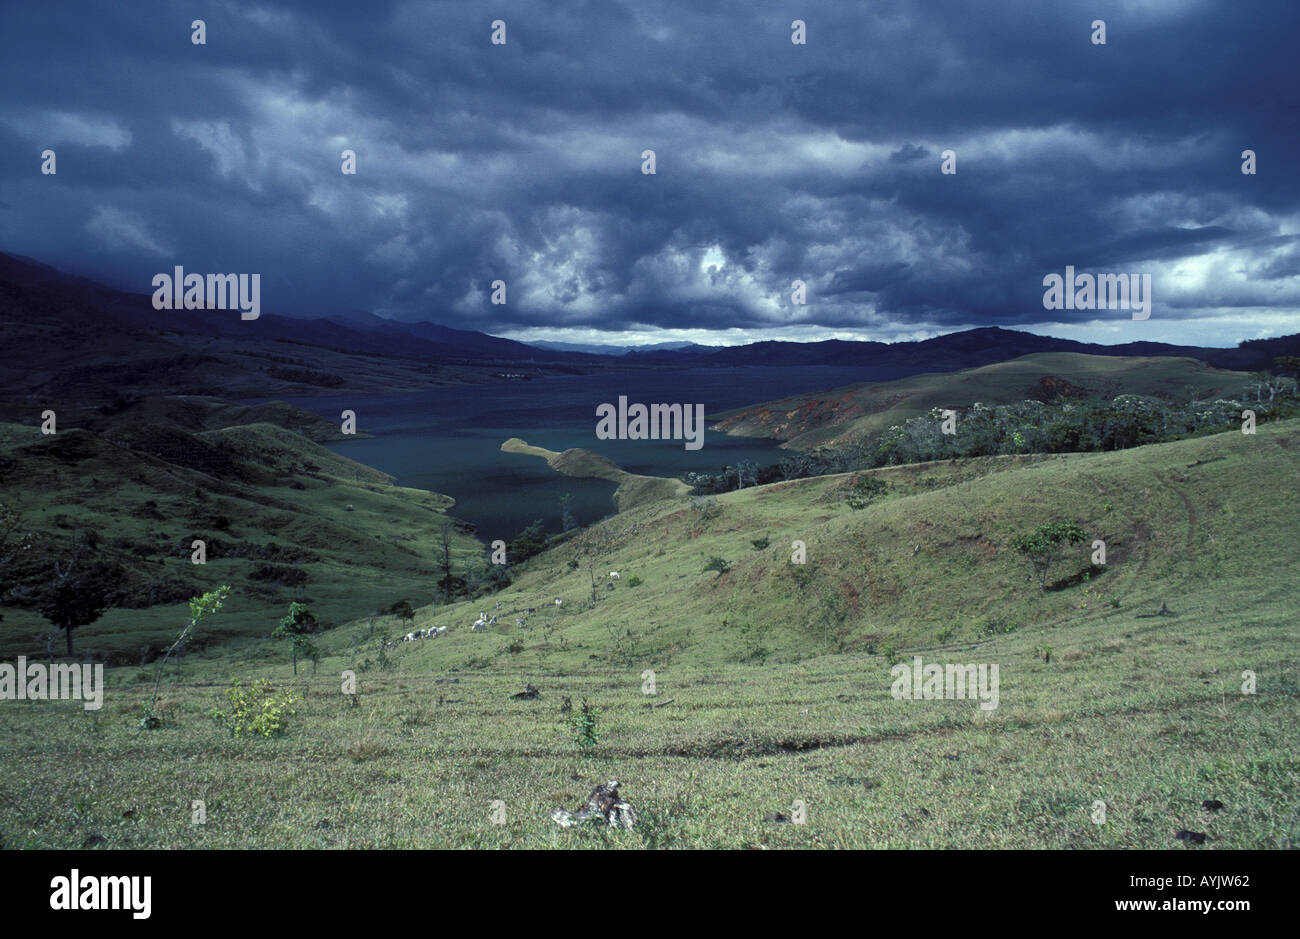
(775, 162)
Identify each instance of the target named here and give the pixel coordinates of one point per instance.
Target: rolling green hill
(771, 681)
(1182, 522)
(853, 411)
(282, 518)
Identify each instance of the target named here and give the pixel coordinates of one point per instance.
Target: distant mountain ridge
(45, 294)
(101, 328)
(984, 345)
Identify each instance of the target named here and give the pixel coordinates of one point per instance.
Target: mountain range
(65, 335)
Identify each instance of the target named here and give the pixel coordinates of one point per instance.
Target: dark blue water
(449, 439)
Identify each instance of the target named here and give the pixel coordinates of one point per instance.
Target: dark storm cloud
(908, 153)
(776, 162)
(871, 278)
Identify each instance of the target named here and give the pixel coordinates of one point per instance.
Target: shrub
(860, 493)
(703, 510)
(993, 627)
(257, 710)
(760, 544)
(1046, 545)
(634, 581)
(718, 564)
(532, 540)
(401, 608)
(583, 723)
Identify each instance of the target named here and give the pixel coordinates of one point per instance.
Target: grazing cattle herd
(484, 621)
(431, 633)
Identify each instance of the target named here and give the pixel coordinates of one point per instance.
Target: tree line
(1062, 426)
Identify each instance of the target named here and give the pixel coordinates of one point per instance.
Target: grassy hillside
(282, 517)
(853, 411)
(1178, 520)
(772, 682)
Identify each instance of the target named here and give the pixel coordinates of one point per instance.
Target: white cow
(613, 575)
(480, 623)
(558, 603)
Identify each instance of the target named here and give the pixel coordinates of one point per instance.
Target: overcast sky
(775, 161)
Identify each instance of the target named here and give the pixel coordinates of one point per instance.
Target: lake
(449, 439)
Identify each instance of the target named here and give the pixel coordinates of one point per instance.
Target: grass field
(772, 682)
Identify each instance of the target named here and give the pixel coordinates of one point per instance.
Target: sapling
(200, 607)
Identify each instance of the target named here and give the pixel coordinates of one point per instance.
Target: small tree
(449, 585)
(80, 592)
(1046, 545)
(296, 627)
(200, 607)
(567, 521)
